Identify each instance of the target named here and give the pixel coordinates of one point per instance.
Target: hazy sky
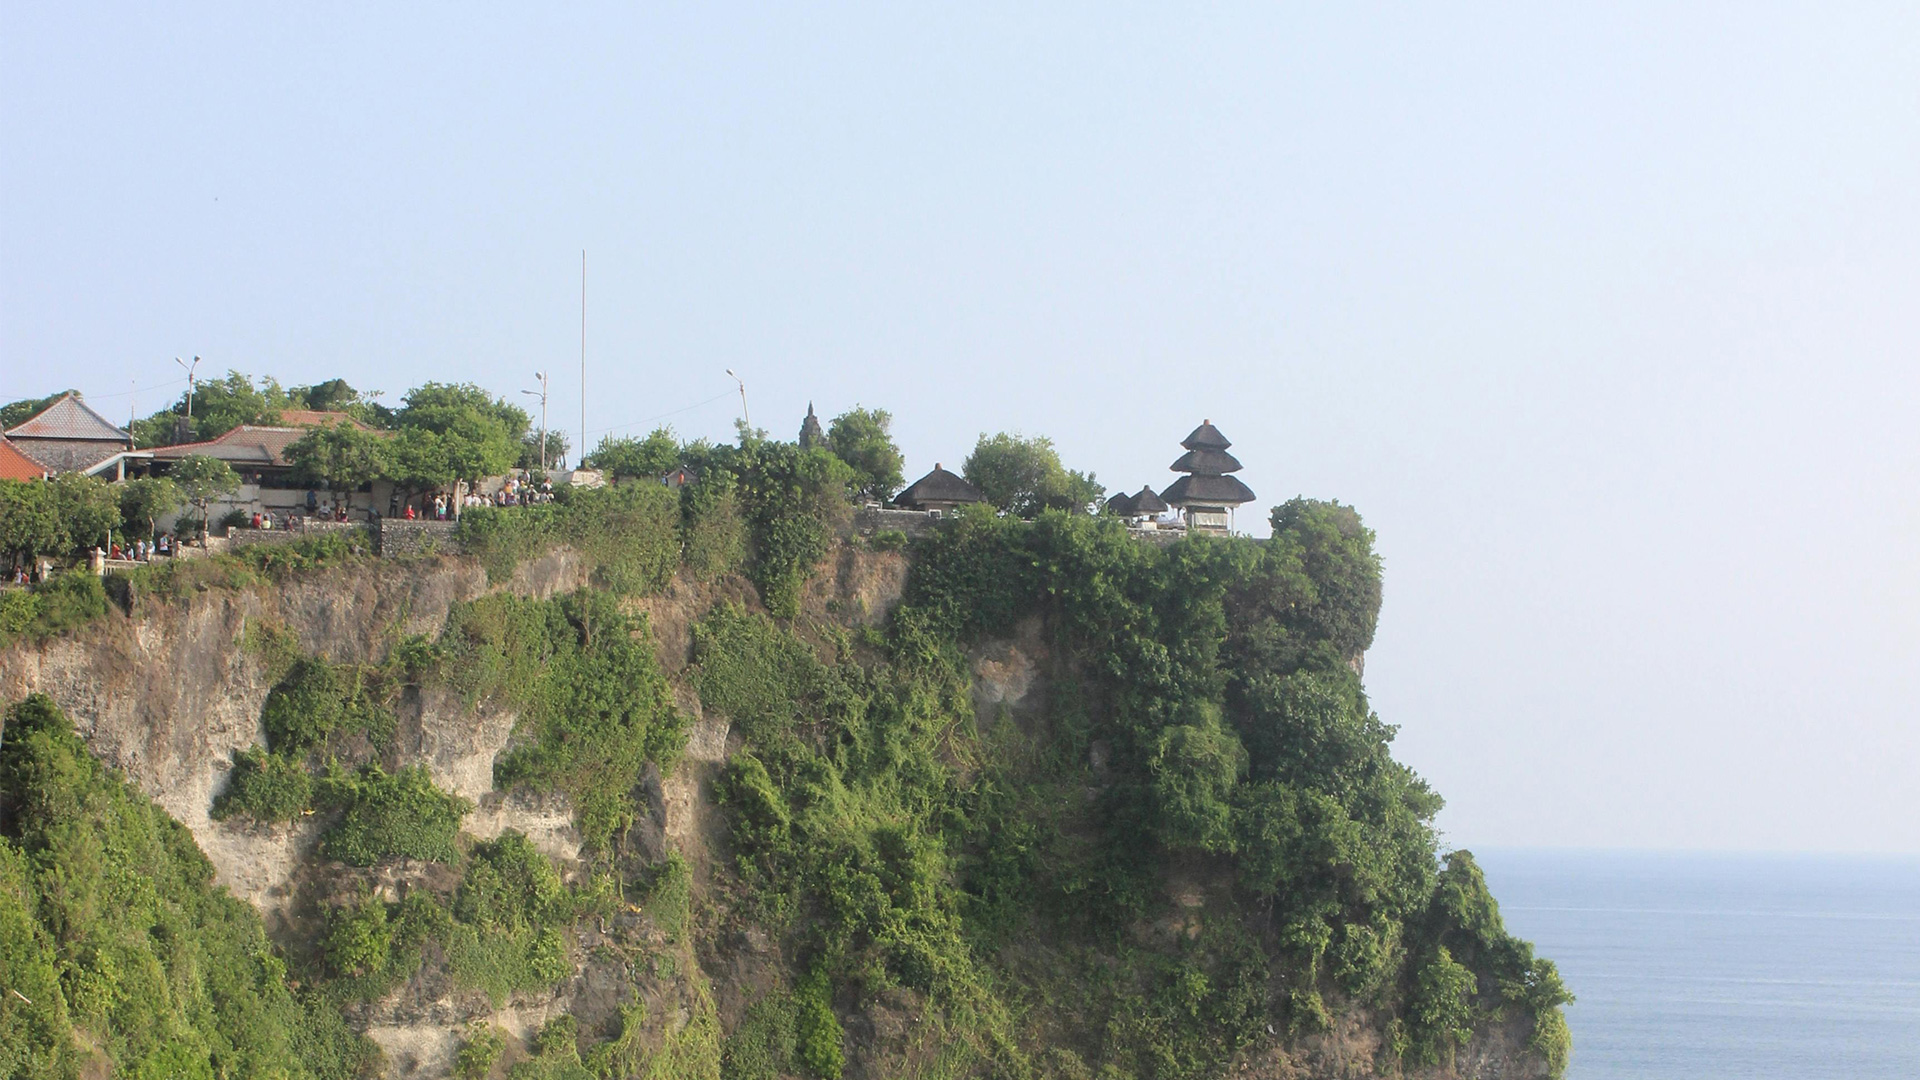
(1607, 322)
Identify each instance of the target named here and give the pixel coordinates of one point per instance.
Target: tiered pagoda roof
(1207, 464)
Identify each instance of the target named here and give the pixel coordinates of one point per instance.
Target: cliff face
(167, 695)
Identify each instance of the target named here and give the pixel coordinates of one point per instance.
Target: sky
(1604, 319)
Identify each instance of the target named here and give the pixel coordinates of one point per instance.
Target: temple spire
(810, 433)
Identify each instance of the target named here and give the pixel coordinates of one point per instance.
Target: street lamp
(190, 383)
(542, 395)
(743, 399)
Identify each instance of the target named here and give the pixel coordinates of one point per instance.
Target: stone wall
(400, 538)
(305, 529)
(869, 520)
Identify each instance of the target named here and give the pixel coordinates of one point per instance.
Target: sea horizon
(1725, 965)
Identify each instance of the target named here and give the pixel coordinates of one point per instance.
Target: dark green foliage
(510, 915)
(629, 534)
(1327, 553)
(817, 1031)
(317, 705)
(861, 438)
(762, 1046)
(713, 534)
(457, 431)
(477, 1055)
(384, 816)
(644, 459)
(341, 458)
(795, 503)
(1213, 679)
(63, 603)
(109, 920)
(1440, 1010)
(761, 677)
(359, 941)
(594, 709)
(264, 786)
(1024, 476)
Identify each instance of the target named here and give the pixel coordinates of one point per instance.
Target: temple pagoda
(1206, 496)
(810, 433)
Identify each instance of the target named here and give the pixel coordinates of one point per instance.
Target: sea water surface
(1726, 967)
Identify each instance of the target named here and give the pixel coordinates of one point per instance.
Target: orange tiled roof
(15, 465)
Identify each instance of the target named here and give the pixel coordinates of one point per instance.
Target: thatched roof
(938, 486)
(1207, 463)
(1146, 502)
(1207, 491)
(1206, 437)
(1121, 504)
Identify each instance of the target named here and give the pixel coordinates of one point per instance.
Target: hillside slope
(1022, 799)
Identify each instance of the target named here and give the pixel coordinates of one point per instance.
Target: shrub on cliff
(383, 816)
(265, 787)
(169, 975)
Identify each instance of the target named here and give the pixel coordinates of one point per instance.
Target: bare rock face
(1009, 673)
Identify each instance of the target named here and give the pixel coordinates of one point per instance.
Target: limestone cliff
(167, 693)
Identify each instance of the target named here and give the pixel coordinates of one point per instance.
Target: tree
(340, 458)
(15, 413)
(651, 457)
(480, 435)
(860, 438)
(203, 479)
(333, 395)
(530, 449)
(88, 507)
(417, 462)
(1024, 476)
(1329, 544)
(29, 522)
(146, 500)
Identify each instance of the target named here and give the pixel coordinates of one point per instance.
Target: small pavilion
(1138, 508)
(939, 490)
(1207, 495)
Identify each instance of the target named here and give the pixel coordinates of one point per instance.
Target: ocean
(1725, 967)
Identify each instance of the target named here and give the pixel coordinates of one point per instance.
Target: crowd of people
(139, 550)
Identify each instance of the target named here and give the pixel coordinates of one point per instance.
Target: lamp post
(743, 399)
(190, 383)
(542, 395)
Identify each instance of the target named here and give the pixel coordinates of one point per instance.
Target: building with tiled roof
(68, 436)
(15, 465)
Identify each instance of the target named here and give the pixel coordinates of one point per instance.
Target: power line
(664, 415)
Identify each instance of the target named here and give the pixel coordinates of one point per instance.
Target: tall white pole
(583, 355)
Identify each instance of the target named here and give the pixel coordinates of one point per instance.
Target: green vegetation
(265, 786)
(56, 518)
(110, 924)
(1212, 682)
(1024, 476)
(1191, 833)
(510, 914)
(861, 438)
(203, 479)
(593, 707)
(384, 816)
(63, 603)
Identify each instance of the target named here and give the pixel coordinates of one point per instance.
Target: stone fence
(392, 538)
